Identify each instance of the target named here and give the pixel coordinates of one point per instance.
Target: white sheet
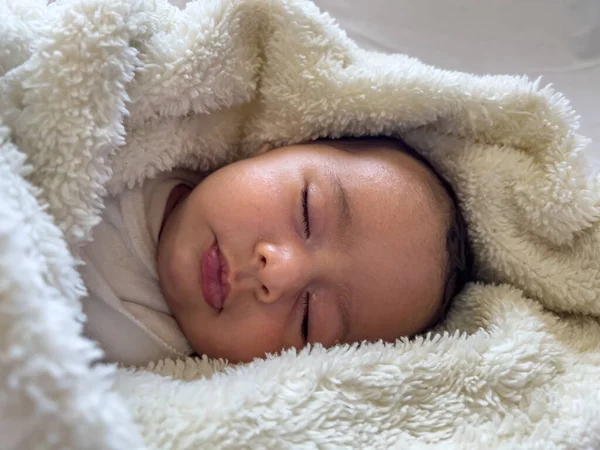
(556, 39)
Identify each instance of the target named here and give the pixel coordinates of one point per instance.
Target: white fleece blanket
(97, 95)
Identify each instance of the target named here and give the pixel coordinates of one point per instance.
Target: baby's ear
(264, 148)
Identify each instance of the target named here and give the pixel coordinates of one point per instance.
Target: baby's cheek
(255, 338)
(235, 340)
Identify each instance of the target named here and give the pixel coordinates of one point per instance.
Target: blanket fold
(98, 95)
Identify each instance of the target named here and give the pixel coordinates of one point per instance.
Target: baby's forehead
(392, 153)
(418, 175)
(401, 168)
(401, 199)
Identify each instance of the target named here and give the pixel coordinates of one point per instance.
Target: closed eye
(306, 310)
(305, 212)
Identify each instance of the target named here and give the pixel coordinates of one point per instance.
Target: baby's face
(304, 244)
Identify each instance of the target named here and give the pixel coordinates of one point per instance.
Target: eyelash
(305, 212)
(305, 308)
(306, 296)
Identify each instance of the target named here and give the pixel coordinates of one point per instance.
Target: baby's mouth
(214, 269)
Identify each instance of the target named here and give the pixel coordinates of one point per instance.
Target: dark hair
(458, 246)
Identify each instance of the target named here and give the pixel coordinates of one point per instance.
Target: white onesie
(126, 312)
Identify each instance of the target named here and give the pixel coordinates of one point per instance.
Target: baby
(328, 242)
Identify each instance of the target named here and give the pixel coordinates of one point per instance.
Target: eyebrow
(344, 210)
(344, 223)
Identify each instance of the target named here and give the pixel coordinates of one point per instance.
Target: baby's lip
(224, 272)
(215, 288)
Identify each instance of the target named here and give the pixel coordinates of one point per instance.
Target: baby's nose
(282, 272)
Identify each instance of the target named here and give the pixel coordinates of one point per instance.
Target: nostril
(263, 260)
(265, 290)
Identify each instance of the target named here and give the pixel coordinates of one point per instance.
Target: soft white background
(556, 39)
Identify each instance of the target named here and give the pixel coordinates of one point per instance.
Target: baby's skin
(304, 244)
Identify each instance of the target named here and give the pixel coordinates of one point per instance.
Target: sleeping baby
(330, 242)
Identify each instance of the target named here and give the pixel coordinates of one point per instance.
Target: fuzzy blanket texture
(98, 95)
